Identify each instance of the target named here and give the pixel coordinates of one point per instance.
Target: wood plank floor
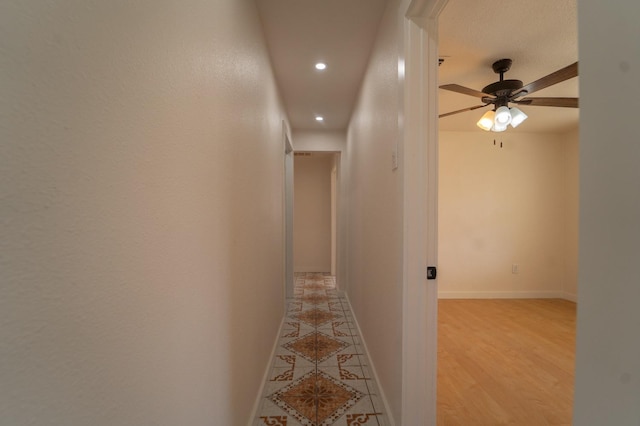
(506, 362)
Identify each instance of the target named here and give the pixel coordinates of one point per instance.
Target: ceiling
(302, 32)
(540, 36)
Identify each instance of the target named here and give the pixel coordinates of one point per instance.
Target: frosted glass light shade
(503, 116)
(497, 127)
(517, 117)
(486, 121)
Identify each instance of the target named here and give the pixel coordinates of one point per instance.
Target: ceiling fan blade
(554, 78)
(461, 110)
(464, 90)
(554, 102)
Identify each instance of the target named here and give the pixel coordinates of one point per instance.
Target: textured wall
(375, 211)
(504, 206)
(608, 347)
(140, 212)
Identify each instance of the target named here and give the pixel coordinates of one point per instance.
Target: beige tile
(363, 413)
(275, 386)
(271, 414)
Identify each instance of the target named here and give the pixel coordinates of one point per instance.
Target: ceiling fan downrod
(502, 88)
(501, 66)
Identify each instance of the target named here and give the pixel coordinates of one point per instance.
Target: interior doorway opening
(315, 207)
(508, 208)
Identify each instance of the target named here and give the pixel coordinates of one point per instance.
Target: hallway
(320, 375)
(142, 240)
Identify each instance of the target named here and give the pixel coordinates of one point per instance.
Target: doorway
(508, 204)
(315, 193)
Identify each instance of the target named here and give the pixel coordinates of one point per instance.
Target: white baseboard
(505, 295)
(312, 269)
(265, 376)
(373, 368)
(570, 296)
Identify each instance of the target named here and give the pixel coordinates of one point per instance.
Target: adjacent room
(508, 213)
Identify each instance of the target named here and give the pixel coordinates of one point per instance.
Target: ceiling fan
(503, 92)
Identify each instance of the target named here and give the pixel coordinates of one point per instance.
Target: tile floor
(320, 374)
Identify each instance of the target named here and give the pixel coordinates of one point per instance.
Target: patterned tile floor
(320, 374)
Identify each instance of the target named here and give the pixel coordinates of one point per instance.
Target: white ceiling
(300, 33)
(539, 35)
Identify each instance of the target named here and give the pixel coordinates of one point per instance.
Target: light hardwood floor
(506, 362)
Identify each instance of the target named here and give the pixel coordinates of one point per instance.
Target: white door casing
(420, 154)
(288, 213)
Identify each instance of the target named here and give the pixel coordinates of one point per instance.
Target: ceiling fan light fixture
(486, 121)
(517, 117)
(499, 127)
(505, 91)
(503, 116)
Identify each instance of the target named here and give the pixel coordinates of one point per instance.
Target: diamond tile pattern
(321, 375)
(316, 397)
(316, 316)
(316, 346)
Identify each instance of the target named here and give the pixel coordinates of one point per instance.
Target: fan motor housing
(502, 88)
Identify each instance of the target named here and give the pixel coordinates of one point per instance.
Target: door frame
(337, 217)
(288, 213)
(420, 146)
(334, 214)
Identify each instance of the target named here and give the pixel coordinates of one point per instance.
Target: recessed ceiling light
(319, 118)
(321, 66)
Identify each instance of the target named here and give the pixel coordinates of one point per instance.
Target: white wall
(504, 206)
(375, 211)
(141, 264)
(312, 213)
(321, 140)
(608, 347)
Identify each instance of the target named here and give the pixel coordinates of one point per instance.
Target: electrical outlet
(515, 268)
